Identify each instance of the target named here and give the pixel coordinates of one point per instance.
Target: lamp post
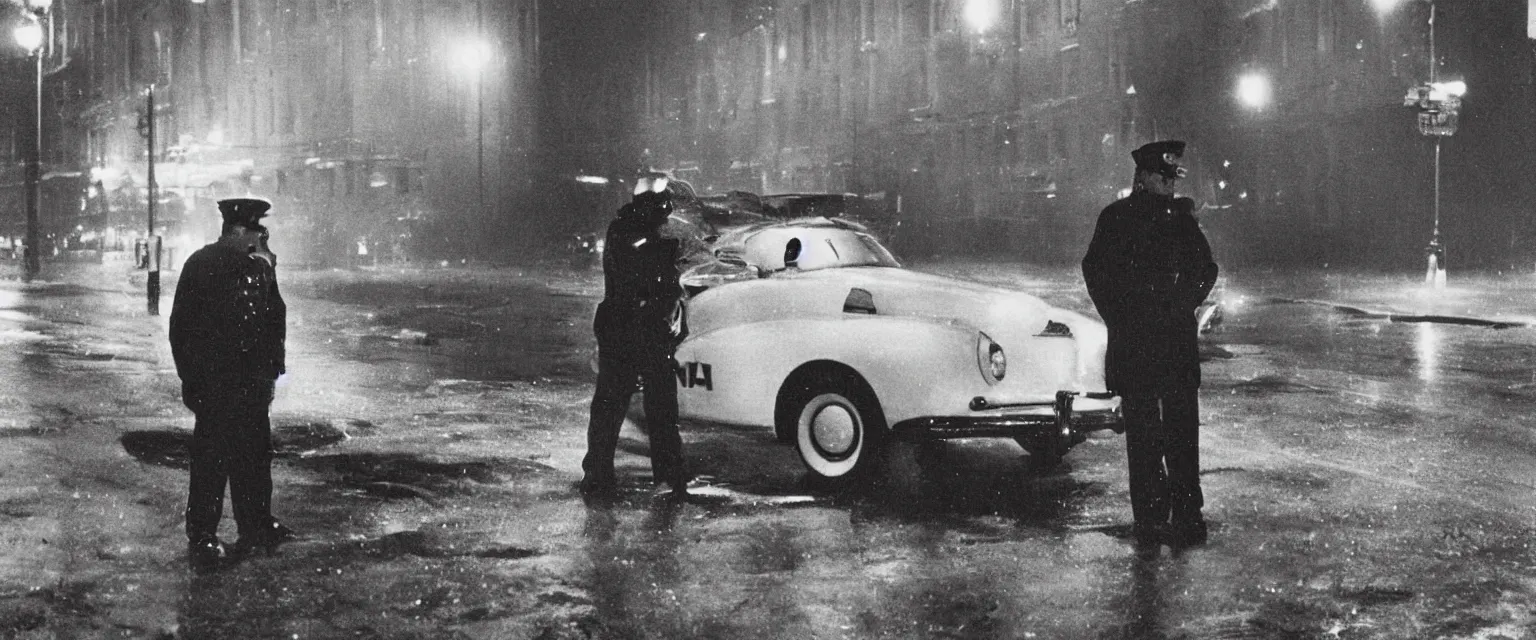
(1439, 104)
(30, 36)
(472, 58)
(480, 109)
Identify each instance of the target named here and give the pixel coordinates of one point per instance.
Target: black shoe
(598, 487)
(1191, 533)
(672, 491)
(1148, 535)
(268, 537)
(205, 549)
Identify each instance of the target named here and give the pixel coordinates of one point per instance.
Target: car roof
(816, 222)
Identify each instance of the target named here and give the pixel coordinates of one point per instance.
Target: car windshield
(811, 248)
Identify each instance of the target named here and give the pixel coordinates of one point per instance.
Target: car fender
(915, 366)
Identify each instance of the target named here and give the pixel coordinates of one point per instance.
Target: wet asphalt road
(1365, 479)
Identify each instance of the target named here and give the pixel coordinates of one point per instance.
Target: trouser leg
(661, 419)
(205, 487)
(250, 469)
(615, 385)
(1181, 426)
(1144, 454)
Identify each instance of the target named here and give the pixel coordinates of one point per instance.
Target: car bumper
(1062, 423)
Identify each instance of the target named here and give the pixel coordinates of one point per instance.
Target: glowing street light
(1253, 90)
(471, 56)
(981, 14)
(30, 36)
(1454, 89)
(1384, 7)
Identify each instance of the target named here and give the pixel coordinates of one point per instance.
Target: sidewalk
(1480, 299)
(1498, 301)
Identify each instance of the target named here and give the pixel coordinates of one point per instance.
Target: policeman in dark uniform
(1147, 269)
(638, 328)
(227, 332)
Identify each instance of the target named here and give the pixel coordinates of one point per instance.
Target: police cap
(1162, 157)
(243, 211)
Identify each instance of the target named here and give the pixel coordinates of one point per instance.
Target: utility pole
(33, 254)
(480, 109)
(1435, 272)
(152, 288)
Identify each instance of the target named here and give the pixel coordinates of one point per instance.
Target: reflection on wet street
(1365, 478)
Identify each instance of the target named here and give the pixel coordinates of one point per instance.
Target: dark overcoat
(1148, 268)
(228, 321)
(641, 293)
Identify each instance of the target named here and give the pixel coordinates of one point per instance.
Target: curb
(1391, 316)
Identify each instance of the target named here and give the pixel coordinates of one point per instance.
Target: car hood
(904, 292)
(893, 292)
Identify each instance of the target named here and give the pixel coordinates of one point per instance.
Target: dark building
(368, 123)
(1008, 123)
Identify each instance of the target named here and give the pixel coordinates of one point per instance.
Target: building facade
(1008, 123)
(375, 126)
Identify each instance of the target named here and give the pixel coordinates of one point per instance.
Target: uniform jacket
(228, 320)
(641, 294)
(1147, 269)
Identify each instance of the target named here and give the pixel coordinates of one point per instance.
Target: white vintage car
(810, 326)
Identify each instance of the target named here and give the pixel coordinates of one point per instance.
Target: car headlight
(991, 359)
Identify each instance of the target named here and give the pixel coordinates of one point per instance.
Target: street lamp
(981, 14)
(30, 36)
(472, 57)
(1253, 90)
(1438, 104)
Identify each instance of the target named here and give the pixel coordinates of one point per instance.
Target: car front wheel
(839, 431)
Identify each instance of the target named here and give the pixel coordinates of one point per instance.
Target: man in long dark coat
(637, 333)
(1148, 268)
(227, 333)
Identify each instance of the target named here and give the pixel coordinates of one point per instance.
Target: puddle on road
(159, 448)
(508, 333)
(1374, 596)
(297, 439)
(42, 608)
(1293, 479)
(405, 476)
(1027, 499)
(21, 506)
(1274, 384)
(168, 448)
(430, 544)
(60, 290)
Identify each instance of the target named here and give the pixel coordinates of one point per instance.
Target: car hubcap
(835, 431)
